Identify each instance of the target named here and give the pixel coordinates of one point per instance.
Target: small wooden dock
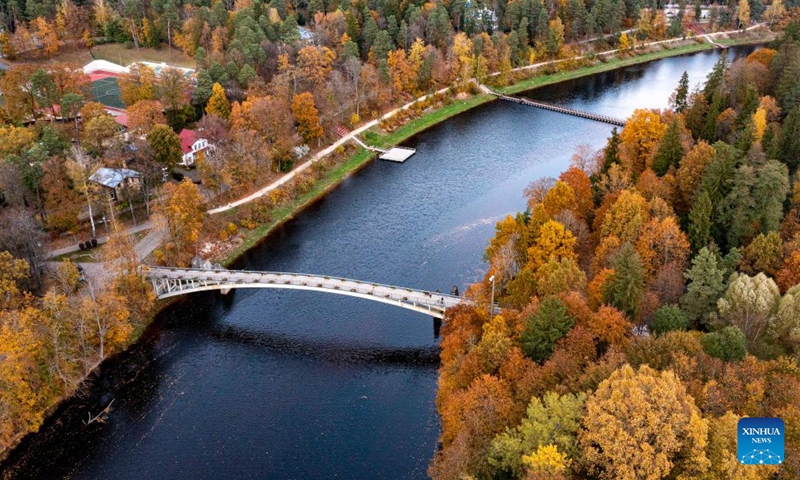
(394, 154)
(398, 154)
(569, 111)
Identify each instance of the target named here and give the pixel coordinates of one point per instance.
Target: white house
(194, 148)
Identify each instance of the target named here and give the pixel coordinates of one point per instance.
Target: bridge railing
(233, 273)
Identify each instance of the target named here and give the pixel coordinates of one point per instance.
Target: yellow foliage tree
(553, 242)
(47, 35)
(144, 115)
(662, 242)
(640, 137)
(546, 460)
(11, 270)
(760, 123)
(643, 425)
(626, 216)
(403, 78)
(315, 63)
(138, 84)
(307, 117)
(624, 43)
(743, 13)
(560, 197)
(218, 103)
(184, 210)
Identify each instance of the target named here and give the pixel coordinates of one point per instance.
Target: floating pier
(398, 154)
(395, 154)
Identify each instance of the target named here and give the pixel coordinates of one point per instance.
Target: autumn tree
(307, 117)
(138, 84)
(183, 207)
(626, 216)
(47, 35)
(789, 273)
(218, 103)
(11, 270)
(173, 88)
(743, 13)
(640, 138)
(144, 115)
(18, 93)
(763, 254)
(551, 420)
(644, 407)
(470, 420)
(165, 145)
(314, 64)
(750, 304)
(662, 242)
(98, 131)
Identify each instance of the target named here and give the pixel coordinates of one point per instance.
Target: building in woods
(194, 148)
(115, 180)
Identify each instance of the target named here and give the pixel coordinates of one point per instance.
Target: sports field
(106, 91)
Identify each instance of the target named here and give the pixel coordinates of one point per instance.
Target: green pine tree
(625, 289)
(700, 222)
(670, 150)
(706, 286)
(682, 93)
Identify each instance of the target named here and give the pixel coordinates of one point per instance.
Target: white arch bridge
(171, 282)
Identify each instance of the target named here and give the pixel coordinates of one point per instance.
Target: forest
(650, 297)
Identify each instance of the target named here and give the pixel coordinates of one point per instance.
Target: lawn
(117, 53)
(113, 52)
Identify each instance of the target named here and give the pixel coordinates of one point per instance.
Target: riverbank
(331, 179)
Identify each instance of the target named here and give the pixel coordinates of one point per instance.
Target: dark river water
(291, 384)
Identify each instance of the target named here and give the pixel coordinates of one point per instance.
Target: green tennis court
(106, 91)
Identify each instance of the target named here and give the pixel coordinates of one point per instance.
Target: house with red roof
(194, 148)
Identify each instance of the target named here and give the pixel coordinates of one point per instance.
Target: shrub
(278, 197)
(248, 223)
(670, 318)
(232, 229)
(727, 344)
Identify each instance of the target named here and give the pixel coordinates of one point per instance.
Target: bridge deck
(569, 111)
(170, 282)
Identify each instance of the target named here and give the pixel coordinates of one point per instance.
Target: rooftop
(112, 177)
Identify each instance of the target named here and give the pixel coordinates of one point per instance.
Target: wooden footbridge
(556, 108)
(171, 282)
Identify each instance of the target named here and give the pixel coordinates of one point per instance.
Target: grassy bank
(615, 63)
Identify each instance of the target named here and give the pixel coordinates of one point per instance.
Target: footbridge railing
(556, 108)
(171, 282)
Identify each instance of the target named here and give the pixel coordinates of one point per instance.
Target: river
(290, 384)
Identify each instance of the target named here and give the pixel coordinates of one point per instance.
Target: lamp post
(491, 304)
